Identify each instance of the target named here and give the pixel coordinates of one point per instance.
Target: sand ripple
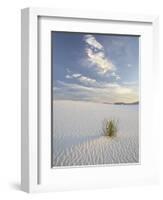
(101, 150)
(78, 136)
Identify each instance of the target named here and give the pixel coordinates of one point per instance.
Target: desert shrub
(110, 127)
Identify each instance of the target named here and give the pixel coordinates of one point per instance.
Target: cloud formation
(96, 55)
(108, 75)
(117, 77)
(103, 92)
(82, 79)
(92, 42)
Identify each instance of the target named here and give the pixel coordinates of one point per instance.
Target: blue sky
(95, 67)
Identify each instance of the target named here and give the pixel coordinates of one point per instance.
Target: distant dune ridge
(78, 137)
(122, 103)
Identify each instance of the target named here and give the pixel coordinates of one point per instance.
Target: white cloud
(96, 55)
(103, 92)
(76, 75)
(70, 86)
(91, 40)
(82, 79)
(109, 85)
(113, 74)
(68, 76)
(86, 80)
(103, 65)
(117, 77)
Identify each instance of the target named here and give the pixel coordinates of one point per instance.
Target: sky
(95, 67)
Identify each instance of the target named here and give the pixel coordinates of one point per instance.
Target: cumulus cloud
(103, 65)
(92, 42)
(96, 55)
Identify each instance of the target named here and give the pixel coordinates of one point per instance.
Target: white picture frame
(36, 171)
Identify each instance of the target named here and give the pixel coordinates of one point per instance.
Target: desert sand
(78, 136)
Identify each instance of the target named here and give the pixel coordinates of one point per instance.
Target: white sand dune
(78, 138)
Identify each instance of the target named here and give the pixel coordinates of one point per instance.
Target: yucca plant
(110, 127)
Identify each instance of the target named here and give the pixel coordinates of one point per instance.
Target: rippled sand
(78, 138)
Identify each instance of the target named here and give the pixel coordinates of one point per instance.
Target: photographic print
(95, 99)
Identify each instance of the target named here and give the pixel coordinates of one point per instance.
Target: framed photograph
(88, 113)
(95, 99)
